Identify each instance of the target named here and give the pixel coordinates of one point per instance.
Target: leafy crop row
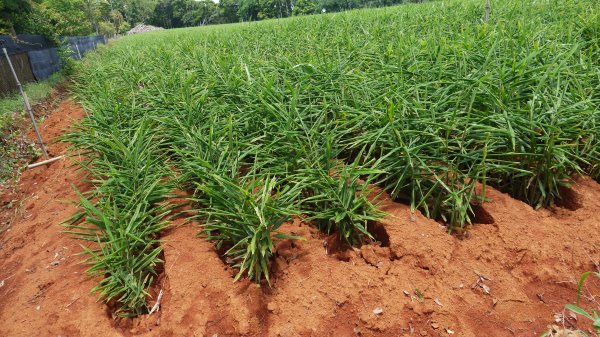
(264, 121)
(126, 209)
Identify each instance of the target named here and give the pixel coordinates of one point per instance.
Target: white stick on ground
(156, 306)
(44, 162)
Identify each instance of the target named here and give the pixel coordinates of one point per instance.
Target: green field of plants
(262, 122)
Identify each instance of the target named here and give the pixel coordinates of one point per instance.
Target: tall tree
(92, 9)
(228, 11)
(12, 13)
(305, 7)
(69, 16)
(163, 15)
(248, 10)
(139, 11)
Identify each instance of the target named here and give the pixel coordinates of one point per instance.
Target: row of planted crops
(261, 122)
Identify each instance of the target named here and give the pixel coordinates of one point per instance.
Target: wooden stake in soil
(26, 104)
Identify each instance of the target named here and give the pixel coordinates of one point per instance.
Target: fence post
(77, 47)
(27, 105)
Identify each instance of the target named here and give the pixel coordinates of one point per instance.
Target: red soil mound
(510, 276)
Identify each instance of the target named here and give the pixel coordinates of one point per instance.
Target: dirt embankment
(511, 276)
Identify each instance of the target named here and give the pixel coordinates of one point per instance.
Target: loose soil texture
(511, 275)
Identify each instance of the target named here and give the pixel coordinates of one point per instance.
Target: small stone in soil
(378, 311)
(558, 317)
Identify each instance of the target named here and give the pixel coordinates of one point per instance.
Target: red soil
(508, 277)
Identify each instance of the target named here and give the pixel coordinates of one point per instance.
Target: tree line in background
(55, 18)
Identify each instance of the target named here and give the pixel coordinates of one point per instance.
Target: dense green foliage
(185, 13)
(265, 120)
(56, 18)
(243, 216)
(126, 208)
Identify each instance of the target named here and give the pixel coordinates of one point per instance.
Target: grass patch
(15, 149)
(36, 91)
